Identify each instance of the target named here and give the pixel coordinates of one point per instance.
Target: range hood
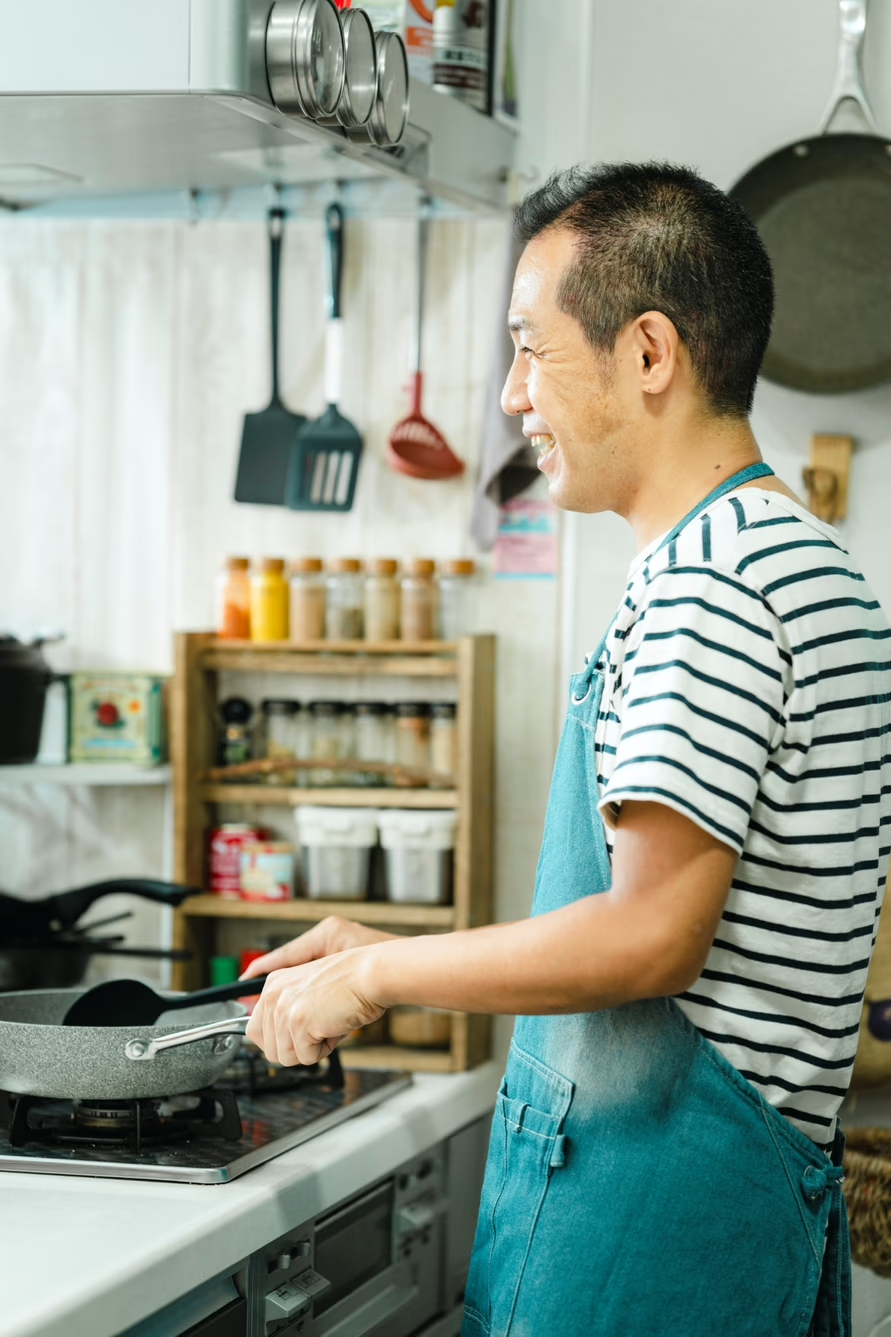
(100, 97)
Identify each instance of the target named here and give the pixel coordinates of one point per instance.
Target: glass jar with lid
(280, 730)
(233, 601)
(412, 735)
(373, 739)
(344, 612)
(456, 587)
(326, 740)
(269, 600)
(443, 745)
(307, 601)
(381, 599)
(418, 619)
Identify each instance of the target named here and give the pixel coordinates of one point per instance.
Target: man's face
(568, 393)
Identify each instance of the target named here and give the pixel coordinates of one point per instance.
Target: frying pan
(823, 209)
(41, 1057)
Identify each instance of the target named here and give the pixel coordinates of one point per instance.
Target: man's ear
(654, 342)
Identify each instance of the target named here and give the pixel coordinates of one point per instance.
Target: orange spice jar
(233, 601)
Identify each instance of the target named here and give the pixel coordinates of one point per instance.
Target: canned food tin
(267, 870)
(226, 843)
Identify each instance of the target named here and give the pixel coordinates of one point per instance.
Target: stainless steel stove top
(191, 1139)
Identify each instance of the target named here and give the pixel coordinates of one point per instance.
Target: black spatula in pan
(325, 461)
(132, 1003)
(267, 438)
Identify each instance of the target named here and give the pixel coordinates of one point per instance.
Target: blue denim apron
(637, 1185)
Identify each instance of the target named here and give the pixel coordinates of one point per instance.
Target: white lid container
(413, 829)
(352, 828)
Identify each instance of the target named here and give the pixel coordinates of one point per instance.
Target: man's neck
(678, 475)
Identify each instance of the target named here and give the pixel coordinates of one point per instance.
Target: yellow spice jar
(269, 600)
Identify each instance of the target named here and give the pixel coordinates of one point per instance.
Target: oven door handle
(140, 1050)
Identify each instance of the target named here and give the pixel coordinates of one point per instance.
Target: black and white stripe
(747, 685)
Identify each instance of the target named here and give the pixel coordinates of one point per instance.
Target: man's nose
(514, 396)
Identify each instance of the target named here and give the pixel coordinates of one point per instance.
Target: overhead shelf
(302, 910)
(281, 795)
(86, 774)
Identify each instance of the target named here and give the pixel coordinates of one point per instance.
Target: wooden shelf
(276, 657)
(310, 911)
(86, 773)
(239, 648)
(398, 1057)
(330, 798)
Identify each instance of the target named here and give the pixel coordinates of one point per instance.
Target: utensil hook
(849, 85)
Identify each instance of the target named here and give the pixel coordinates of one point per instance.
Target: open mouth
(544, 444)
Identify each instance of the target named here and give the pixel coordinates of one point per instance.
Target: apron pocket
(527, 1147)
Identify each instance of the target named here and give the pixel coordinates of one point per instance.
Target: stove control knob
(283, 1261)
(302, 1249)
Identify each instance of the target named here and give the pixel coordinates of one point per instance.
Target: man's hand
(331, 935)
(305, 1010)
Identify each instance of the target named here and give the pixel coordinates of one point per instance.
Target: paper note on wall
(527, 546)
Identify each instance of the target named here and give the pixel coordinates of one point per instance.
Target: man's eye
(530, 351)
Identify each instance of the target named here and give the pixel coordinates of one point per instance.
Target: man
(664, 1157)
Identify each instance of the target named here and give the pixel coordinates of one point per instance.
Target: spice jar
(373, 739)
(234, 742)
(307, 600)
(412, 734)
(381, 600)
(418, 600)
(326, 740)
(269, 600)
(279, 717)
(443, 744)
(345, 599)
(455, 591)
(233, 601)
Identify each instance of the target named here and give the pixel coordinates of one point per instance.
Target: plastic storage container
(418, 854)
(336, 851)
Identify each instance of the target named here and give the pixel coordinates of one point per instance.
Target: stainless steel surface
(39, 1056)
(360, 70)
(148, 1050)
(849, 86)
(305, 57)
(390, 111)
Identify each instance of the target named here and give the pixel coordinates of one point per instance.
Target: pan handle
(849, 86)
(141, 1050)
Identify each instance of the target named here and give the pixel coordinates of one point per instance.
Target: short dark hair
(657, 237)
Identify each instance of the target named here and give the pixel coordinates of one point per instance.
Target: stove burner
(134, 1124)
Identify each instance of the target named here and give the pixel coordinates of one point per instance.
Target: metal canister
(461, 50)
(224, 862)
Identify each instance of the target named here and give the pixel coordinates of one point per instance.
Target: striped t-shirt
(747, 686)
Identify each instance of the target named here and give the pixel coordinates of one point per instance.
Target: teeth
(542, 442)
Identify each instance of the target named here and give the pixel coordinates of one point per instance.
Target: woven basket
(868, 1195)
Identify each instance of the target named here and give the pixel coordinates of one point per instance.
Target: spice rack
(470, 664)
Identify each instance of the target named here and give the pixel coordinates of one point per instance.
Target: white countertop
(82, 1257)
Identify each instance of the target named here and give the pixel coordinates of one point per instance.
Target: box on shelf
(267, 870)
(117, 717)
(336, 854)
(418, 854)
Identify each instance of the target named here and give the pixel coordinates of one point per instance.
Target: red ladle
(416, 447)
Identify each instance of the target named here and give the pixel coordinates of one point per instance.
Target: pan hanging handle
(849, 86)
(141, 1050)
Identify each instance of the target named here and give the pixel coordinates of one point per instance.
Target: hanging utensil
(267, 438)
(325, 457)
(823, 209)
(416, 447)
(132, 1003)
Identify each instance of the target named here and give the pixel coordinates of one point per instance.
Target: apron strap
(832, 1316)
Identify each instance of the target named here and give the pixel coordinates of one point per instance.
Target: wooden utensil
(416, 447)
(132, 1003)
(267, 438)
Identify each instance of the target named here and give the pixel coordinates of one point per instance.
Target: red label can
(226, 843)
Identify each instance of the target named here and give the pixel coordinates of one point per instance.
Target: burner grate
(132, 1124)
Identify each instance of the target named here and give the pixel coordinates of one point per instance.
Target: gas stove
(253, 1112)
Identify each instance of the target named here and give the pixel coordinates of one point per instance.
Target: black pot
(24, 679)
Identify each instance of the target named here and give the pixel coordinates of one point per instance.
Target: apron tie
(816, 1180)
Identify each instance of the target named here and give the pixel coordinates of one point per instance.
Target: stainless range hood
(104, 97)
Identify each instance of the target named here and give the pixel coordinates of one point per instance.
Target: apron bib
(636, 1184)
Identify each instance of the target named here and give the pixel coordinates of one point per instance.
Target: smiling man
(665, 1155)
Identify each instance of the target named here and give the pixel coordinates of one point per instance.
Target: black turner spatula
(267, 438)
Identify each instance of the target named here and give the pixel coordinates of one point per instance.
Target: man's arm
(647, 937)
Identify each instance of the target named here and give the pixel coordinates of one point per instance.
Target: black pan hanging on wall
(823, 209)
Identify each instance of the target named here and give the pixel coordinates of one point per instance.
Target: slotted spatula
(267, 438)
(132, 1003)
(325, 459)
(416, 447)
